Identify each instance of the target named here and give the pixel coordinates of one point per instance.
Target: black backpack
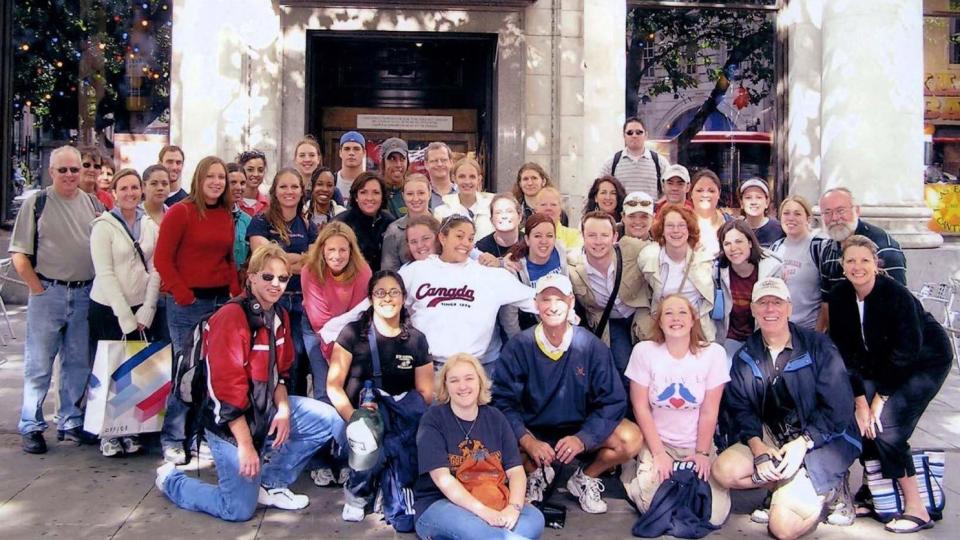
(38, 207)
(653, 155)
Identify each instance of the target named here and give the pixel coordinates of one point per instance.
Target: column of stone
(872, 114)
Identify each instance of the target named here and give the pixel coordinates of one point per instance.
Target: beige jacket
(701, 275)
(634, 290)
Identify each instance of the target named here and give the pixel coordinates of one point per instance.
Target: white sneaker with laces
(163, 472)
(174, 455)
(282, 498)
(322, 477)
(343, 476)
(352, 513)
(537, 485)
(587, 489)
(110, 447)
(131, 445)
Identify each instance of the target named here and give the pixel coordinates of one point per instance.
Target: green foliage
(65, 48)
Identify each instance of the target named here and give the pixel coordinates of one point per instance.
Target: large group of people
(661, 333)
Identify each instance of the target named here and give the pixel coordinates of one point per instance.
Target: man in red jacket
(248, 415)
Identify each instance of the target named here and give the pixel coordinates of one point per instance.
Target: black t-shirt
(488, 245)
(398, 360)
(440, 443)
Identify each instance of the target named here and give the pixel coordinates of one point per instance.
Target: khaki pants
(795, 493)
(641, 483)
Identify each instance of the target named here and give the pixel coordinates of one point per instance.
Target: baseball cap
(392, 145)
(638, 201)
(353, 136)
(556, 281)
(364, 435)
(757, 183)
(676, 171)
(770, 287)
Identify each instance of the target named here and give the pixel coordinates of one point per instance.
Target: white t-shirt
(677, 387)
(456, 305)
(673, 272)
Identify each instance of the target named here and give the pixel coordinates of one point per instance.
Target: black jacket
(680, 508)
(901, 337)
(369, 231)
(818, 383)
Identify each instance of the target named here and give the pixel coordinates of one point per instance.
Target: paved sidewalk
(75, 493)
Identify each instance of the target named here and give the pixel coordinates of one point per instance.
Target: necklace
(466, 432)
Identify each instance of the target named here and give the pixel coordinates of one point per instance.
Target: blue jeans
(318, 364)
(621, 344)
(444, 520)
(181, 320)
(234, 498)
(293, 303)
(56, 323)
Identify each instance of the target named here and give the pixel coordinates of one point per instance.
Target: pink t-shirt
(677, 387)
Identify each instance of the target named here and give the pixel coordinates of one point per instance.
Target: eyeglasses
(632, 132)
(63, 170)
(87, 165)
(841, 212)
(383, 293)
(675, 226)
(634, 202)
(283, 278)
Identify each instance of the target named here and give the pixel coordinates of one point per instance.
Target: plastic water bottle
(367, 395)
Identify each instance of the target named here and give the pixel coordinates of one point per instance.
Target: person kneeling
(791, 381)
(676, 382)
(248, 415)
(558, 387)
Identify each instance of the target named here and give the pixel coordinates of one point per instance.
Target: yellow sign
(944, 200)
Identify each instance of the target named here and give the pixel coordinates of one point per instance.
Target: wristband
(761, 459)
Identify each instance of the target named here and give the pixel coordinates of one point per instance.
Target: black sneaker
(33, 443)
(76, 435)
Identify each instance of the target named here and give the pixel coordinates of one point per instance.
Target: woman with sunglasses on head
(675, 264)
(531, 178)
(367, 216)
(705, 195)
(416, 198)
(334, 278)
(606, 194)
(194, 256)
(321, 208)
(283, 223)
(254, 164)
(454, 300)
(404, 359)
(123, 298)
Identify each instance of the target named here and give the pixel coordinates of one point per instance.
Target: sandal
(920, 524)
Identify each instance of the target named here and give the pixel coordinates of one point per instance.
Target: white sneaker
(282, 498)
(352, 513)
(131, 445)
(163, 472)
(343, 476)
(587, 489)
(322, 477)
(537, 485)
(203, 452)
(110, 447)
(174, 455)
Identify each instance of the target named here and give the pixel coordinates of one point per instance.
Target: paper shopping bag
(128, 388)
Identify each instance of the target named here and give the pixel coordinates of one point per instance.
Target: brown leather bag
(482, 474)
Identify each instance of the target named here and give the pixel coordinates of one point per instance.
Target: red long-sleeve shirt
(195, 252)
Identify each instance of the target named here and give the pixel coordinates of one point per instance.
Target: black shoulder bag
(601, 326)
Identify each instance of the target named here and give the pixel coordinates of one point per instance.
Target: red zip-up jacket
(237, 377)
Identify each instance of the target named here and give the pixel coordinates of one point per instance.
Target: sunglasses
(270, 277)
(634, 202)
(95, 166)
(632, 132)
(383, 293)
(72, 170)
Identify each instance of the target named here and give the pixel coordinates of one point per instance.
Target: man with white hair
(50, 248)
(841, 220)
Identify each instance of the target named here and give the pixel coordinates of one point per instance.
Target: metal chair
(947, 296)
(5, 266)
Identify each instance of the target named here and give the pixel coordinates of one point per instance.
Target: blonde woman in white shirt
(469, 199)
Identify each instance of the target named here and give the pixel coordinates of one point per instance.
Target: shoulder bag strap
(375, 355)
(136, 245)
(598, 331)
(37, 211)
(616, 160)
(656, 165)
(686, 272)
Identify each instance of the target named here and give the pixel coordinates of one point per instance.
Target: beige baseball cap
(770, 287)
(638, 201)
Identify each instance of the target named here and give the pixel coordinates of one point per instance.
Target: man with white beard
(841, 220)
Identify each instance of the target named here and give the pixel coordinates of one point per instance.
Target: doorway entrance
(418, 86)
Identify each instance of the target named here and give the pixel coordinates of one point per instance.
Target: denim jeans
(234, 498)
(293, 303)
(181, 320)
(621, 345)
(444, 520)
(56, 323)
(318, 364)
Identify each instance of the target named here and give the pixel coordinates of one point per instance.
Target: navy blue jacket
(820, 387)
(581, 391)
(681, 508)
